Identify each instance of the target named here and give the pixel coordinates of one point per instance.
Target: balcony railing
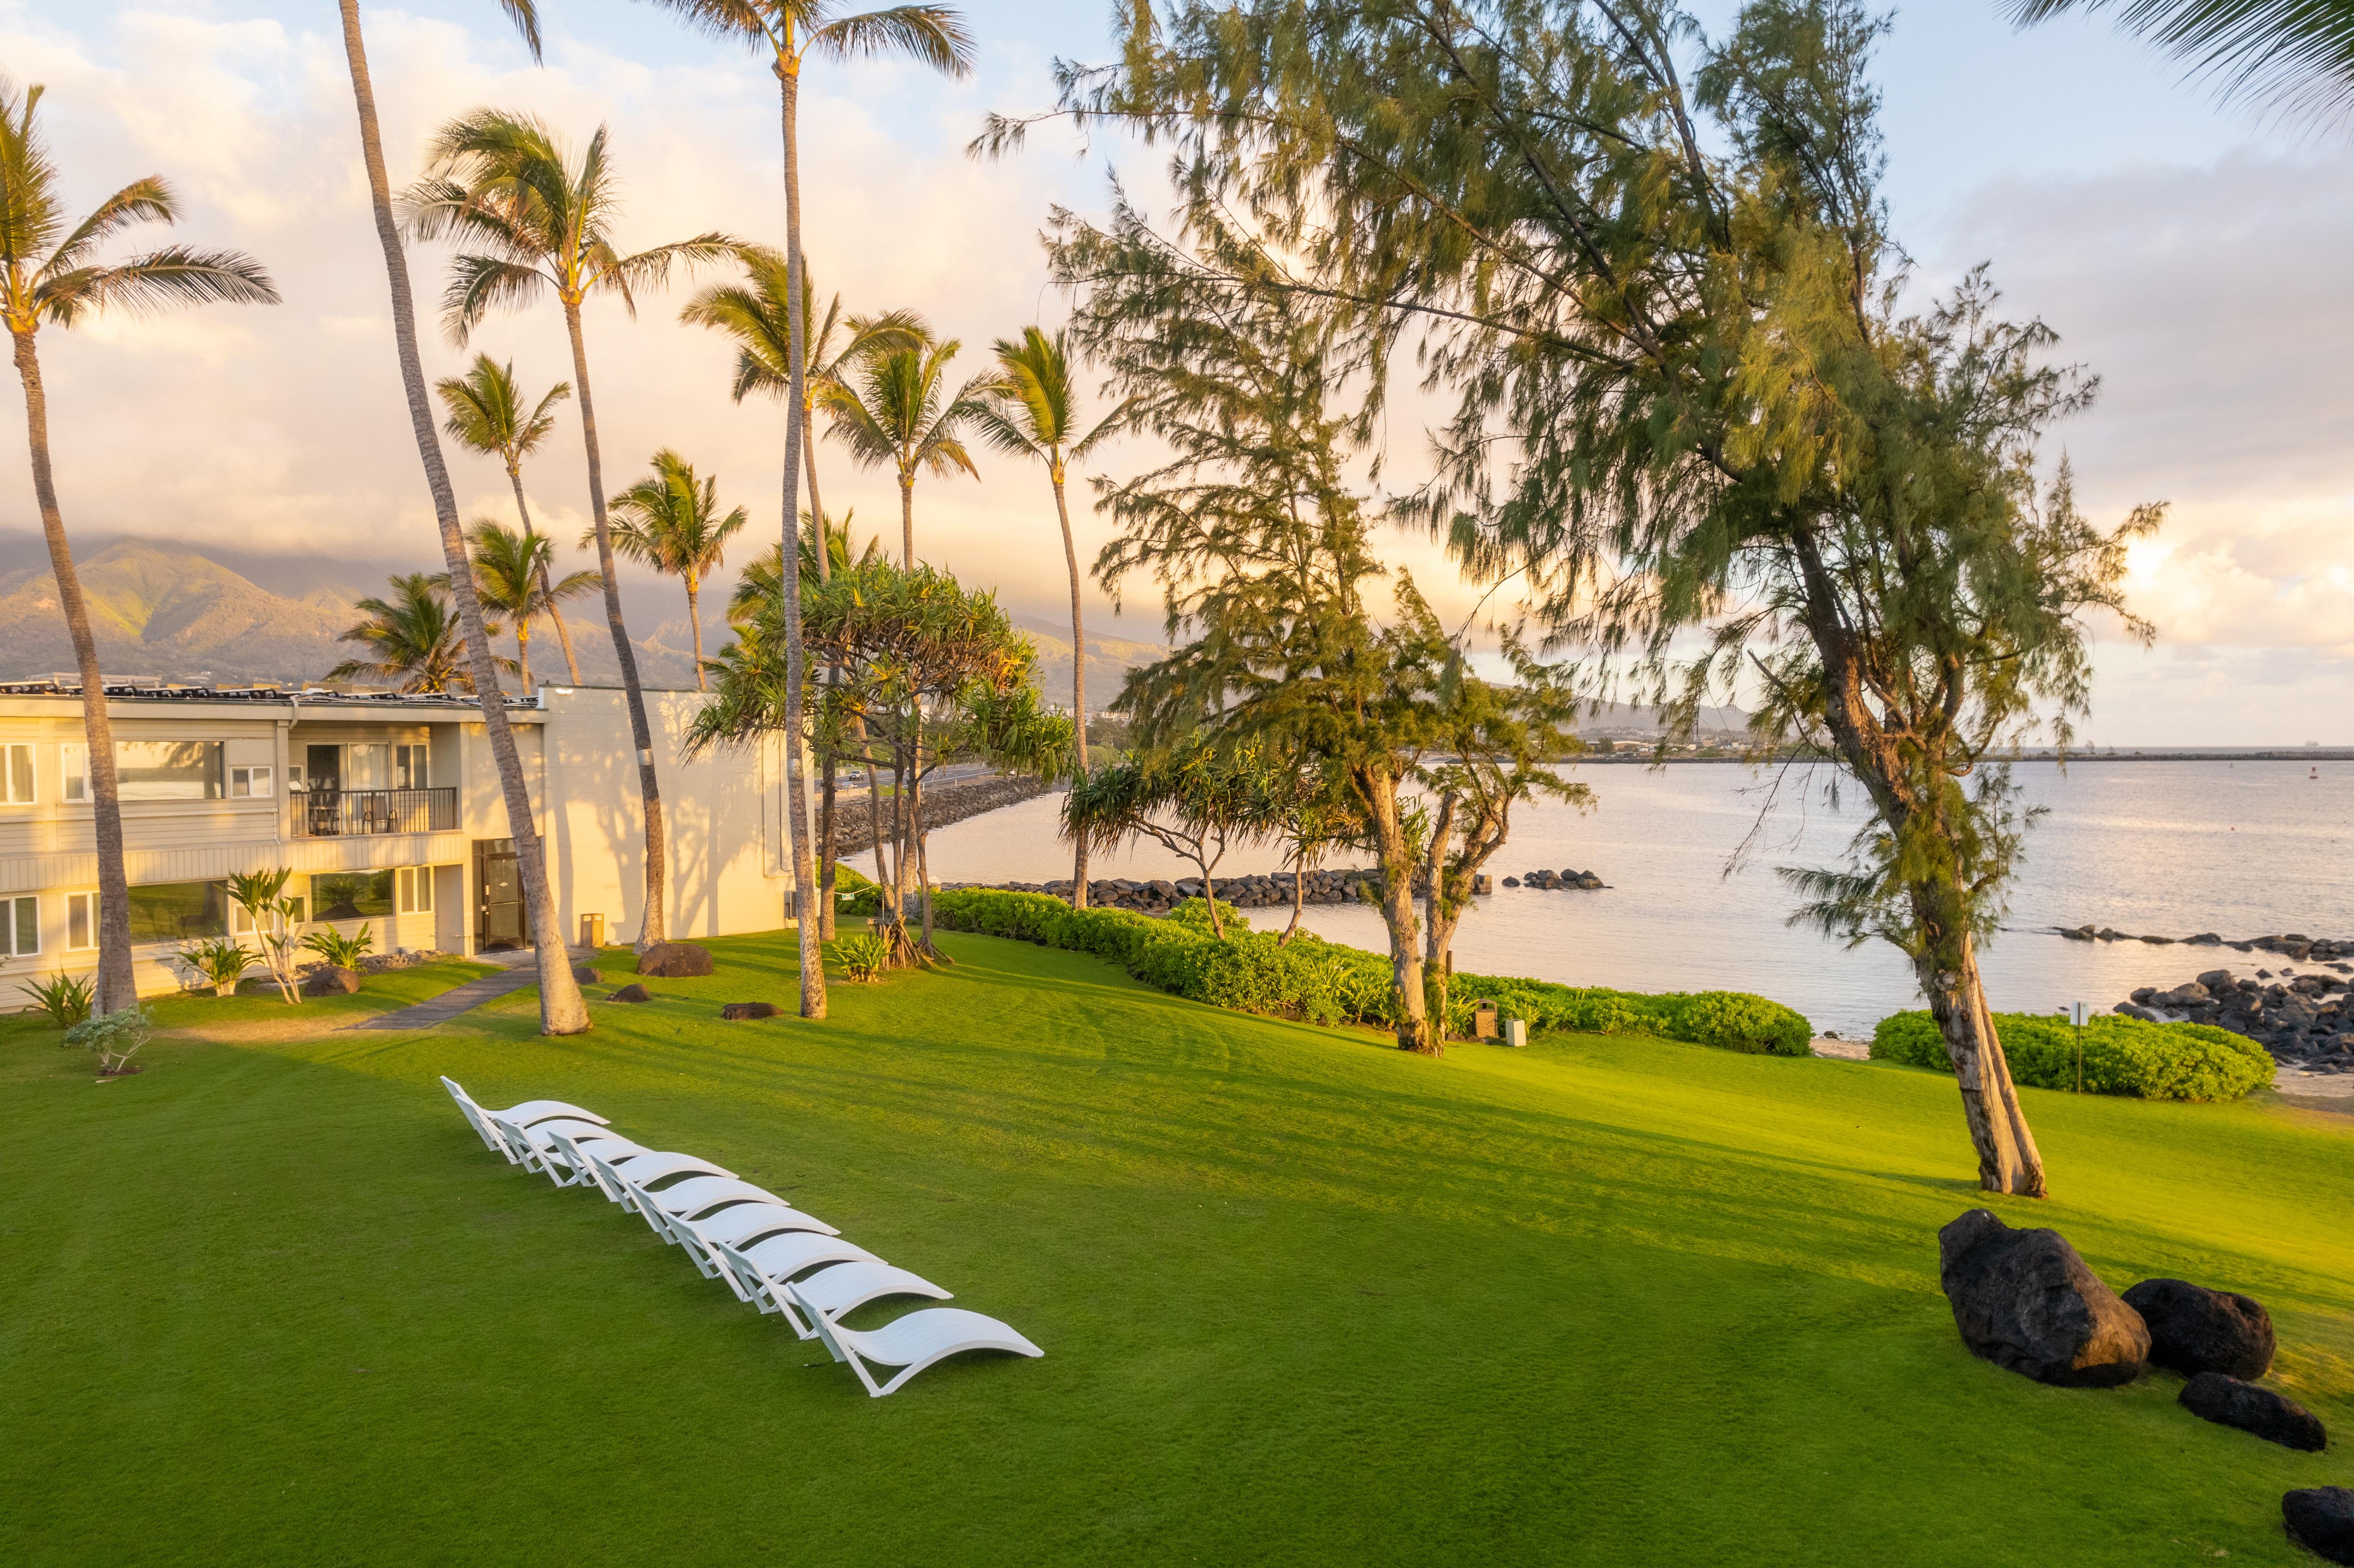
(341, 813)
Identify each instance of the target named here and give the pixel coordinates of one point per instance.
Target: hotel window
(20, 926)
(411, 767)
(416, 884)
(351, 894)
(18, 781)
(73, 762)
(367, 765)
(81, 922)
(249, 783)
(169, 770)
(179, 911)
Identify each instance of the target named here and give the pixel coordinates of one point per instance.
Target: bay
(2245, 849)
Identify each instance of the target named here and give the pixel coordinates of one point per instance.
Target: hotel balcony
(351, 813)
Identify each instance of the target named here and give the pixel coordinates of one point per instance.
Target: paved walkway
(518, 973)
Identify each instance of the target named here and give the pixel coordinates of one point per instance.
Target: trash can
(1483, 1020)
(1516, 1031)
(592, 931)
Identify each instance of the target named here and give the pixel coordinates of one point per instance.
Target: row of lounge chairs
(769, 1253)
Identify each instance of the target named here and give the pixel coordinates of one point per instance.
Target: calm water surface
(2168, 848)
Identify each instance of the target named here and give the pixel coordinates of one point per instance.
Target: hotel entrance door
(501, 920)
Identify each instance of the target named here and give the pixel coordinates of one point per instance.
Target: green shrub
(1325, 982)
(342, 952)
(2121, 1056)
(863, 956)
(116, 1038)
(64, 999)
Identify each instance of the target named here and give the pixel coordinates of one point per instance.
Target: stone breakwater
(1556, 880)
(1161, 895)
(943, 803)
(2305, 1019)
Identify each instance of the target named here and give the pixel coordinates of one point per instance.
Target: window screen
(169, 770)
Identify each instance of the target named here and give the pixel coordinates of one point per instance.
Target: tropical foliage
(512, 579)
(411, 639)
(487, 416)
(893, 409)
(2110, 1055)
(671, 521)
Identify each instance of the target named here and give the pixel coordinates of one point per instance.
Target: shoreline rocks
(2024, 1300)
(1158, 896)
(2305, 1021)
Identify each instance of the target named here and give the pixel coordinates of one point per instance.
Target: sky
(2189, 255)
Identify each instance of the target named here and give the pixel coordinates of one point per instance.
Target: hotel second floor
(387, 811)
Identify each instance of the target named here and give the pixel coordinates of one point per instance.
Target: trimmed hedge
(1326, 982)
(2121, 1056)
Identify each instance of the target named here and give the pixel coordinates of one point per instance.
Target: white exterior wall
(722, 811)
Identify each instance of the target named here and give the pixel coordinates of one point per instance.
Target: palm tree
(486, 415)
(788, 32)
(1033, 411)
(51, 275)
(2298, 58)
(543, 224)
(413, 639)
(512, 575)
(753, 314)
(894, 417)
(671, 522)
(561, 1011)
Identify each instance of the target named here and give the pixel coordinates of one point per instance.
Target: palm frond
(478, 285)
(30, 212)
(740, 21)
(144, 284)
(2296, 56)
(935, 35)
(151, 200)
(525, 15)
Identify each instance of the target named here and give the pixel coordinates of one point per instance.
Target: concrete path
(451, 1004)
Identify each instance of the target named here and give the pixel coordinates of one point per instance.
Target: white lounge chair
(846, 1287)
(738, 1225)
(645, 1170)
(535, 1149)
(699, 1195)
(913, 1342)
(581, 1170)
(530, 1111)
(761, 1269)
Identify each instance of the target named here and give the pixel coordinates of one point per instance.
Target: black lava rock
(586, 975)
(2321, 1519)
(675, 960)
(633, 994)
(331, 981)
(2228, 1401)
(2193, 1330)
(740, 1012)
(2024, 1300)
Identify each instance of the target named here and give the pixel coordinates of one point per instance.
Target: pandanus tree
(535, 222)
(787, 33)
(671, 521)
(1195, 799)
(893, 409)
(53, 273)
(412, 639)
(487, 416)
(512, 577)
(1686, 412)
(1032, 409)
(561, 1011)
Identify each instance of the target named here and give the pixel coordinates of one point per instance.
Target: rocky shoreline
(943, 803)
(2305, 1019)
(1350, 885)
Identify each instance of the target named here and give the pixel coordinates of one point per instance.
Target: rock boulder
(633, 994)
(2193, 1330)
(742, 1012)
(675, 960)
(331, 981)
(2023, 1300)
(586, 975)
(2321, 1519)
(2228, 1401)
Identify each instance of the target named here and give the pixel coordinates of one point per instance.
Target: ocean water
(2245, 849)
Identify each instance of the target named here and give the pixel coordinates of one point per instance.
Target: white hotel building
(388, 810)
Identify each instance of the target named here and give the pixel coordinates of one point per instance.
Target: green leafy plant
(334, 948)
(863, 954)
(115, 1039)
(219, 963)
(2121, 1056)
(276, 920)
(65, 999)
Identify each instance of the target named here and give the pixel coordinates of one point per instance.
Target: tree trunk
(118, 988)
(816, 507)
(1395, 859)
(654, 928)
(1078, 684)
(694, 619)
(827, 820)
(1439, 914)
(522, 650)
(788, 573)
(1299, 901)
(1947, 968)
(883, 881)
(908, 522)
(830, 780)
(547, 588)
(561, 1011)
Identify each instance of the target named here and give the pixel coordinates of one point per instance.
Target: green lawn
(1304, 1300)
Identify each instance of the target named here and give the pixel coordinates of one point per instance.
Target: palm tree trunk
(653, 929)
(547, 589)
(523, 654)
(694, 619)
(561, 1011)
(829, 778)
(817, 507)
(117, 987)
(789, 576)
(1078, 685)
(907, 523)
